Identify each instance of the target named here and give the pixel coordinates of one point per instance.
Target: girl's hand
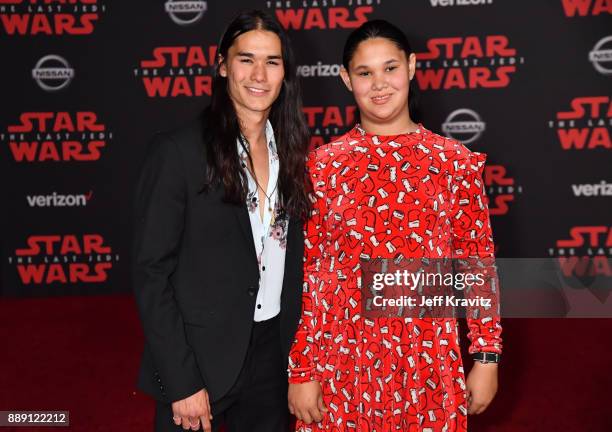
(306, 402)
(481, 386)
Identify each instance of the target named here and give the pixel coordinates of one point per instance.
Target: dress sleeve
(303, 356)
(473, 251)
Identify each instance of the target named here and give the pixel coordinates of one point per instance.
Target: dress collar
(360, 131)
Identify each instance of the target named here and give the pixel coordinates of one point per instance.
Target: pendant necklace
(245, 165)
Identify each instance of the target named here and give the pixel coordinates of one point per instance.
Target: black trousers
(258, 400)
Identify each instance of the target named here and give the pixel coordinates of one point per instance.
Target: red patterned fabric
(417, 194)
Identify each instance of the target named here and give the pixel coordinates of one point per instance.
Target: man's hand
(306, 401)
(481, 386)
(192, 411)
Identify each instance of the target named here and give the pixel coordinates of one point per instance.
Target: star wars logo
(326, 123)
(586, 252)
(582, 8)
(322, 14)
(49, 17)
(178, 71)
(56, 137)
(68, 258)
(467, 62)
(586, 126)
(501, 189)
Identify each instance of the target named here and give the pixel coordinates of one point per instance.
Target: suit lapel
(293, 276)
(294, 244)
(242, 216)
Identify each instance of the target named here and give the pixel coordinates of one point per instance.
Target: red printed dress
(417, 194)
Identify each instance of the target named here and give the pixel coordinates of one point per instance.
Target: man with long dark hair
(219, 244)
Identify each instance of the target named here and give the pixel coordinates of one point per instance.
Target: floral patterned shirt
(269, 234)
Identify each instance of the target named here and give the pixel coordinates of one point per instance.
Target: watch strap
(486, 357)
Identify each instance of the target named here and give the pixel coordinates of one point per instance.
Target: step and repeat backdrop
(85, 84)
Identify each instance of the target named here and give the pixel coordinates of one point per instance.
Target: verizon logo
(59, 200)
(597, 189)
(444, 3)
(319, 70)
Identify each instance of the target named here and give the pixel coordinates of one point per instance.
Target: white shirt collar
(269, 139)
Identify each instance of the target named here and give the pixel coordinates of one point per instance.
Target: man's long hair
(286, 116)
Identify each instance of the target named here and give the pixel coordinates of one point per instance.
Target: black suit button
(251, 291)
(158, 379)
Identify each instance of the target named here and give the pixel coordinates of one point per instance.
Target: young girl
(388, 185)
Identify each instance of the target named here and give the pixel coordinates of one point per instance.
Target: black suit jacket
(195, 273)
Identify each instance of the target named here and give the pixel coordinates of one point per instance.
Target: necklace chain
(252, 172)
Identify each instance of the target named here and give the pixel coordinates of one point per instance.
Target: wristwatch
(486, 357)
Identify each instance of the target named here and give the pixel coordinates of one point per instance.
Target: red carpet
(81, 354)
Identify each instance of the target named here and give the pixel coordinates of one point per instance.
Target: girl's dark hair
(290, 129)
(386, 30)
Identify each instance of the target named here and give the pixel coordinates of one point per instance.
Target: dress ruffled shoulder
(472, 163)
(319, 158)
(464, 161)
